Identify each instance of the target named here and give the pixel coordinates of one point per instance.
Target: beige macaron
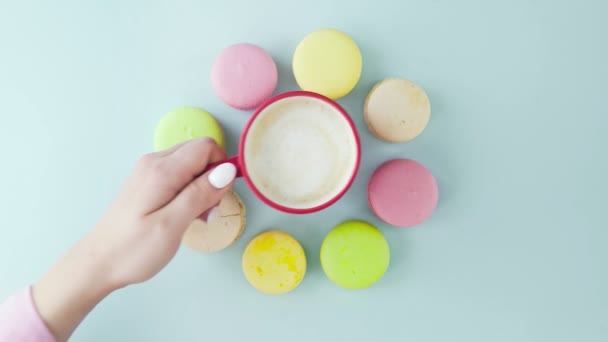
(396, 110)
(221, 230)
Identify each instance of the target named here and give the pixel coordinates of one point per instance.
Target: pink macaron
(244, 76)
(402, 192)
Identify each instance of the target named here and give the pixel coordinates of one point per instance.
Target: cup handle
(234, 160)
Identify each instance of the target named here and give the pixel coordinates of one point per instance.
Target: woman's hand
(143, 228)
(139, 234)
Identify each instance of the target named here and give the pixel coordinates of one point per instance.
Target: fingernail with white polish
(211, 214)
(222, 175)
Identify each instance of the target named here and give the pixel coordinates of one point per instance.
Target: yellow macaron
(327, 62)
(274, 262)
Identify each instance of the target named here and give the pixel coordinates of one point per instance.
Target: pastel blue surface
(516, 251)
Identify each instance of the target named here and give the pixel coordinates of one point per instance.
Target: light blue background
(516, 251)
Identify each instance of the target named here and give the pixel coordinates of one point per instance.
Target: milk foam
(300, 152)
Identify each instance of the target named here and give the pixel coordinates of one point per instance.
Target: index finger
(190, 160)
(174, 171)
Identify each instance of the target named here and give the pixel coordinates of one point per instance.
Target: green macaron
(355, 255)
(187, 123)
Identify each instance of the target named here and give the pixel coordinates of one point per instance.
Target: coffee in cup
(301, 152)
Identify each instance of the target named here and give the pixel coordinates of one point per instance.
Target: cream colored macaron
(223, 228)
(396, 110)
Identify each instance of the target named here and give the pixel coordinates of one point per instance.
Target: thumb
(201, 194)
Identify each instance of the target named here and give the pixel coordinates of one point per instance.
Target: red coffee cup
(299, 152)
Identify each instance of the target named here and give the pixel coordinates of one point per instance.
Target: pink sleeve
(20, 322)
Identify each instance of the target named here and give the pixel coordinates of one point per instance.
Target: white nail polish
(211, 214)
(222, 175)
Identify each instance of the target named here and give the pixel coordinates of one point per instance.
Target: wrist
(71, 289)
(95, 266)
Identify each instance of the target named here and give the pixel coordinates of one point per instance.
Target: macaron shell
(186, 123)
(402, 192)
(327, 62)
(355, 255)
(221, 230)
(274, 262)
(244, 76)
(396, 110)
